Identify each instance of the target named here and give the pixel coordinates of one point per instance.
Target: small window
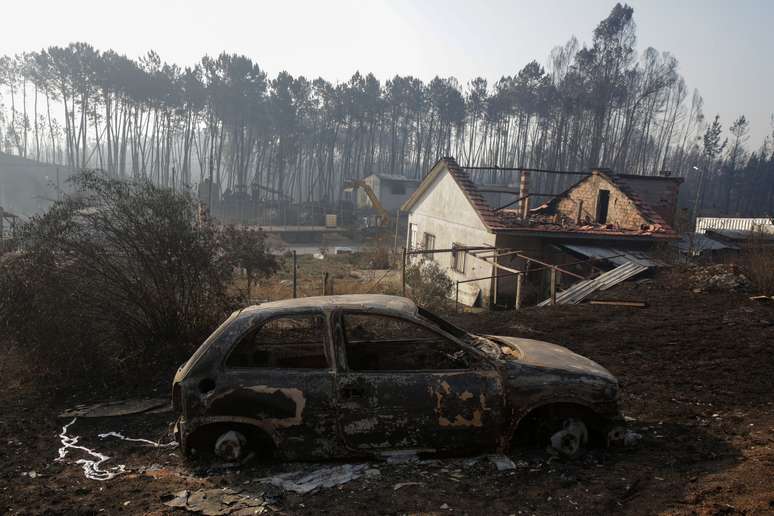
(398, 189)
(288, 342)
(382, 343)
(458, 258)
(413, 235)
(603, 200)
(429, 244)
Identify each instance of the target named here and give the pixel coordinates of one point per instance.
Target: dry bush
(428, 283)
(114, 281)
(758, 262)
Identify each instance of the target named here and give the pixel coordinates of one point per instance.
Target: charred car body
(358, 375)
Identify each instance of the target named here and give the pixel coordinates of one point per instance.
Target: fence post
(397, 225)
(553, 285)
(403, 272)
(519, 281)
(325, 283)
(295, 269)
(457, 298)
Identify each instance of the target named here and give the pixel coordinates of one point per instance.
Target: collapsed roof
(641, 191)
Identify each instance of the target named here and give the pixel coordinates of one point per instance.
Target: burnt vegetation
(119, 276)
(224, 121)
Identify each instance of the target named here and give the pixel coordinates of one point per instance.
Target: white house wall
(445, 212)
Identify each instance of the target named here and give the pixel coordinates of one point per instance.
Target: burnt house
(603, 221)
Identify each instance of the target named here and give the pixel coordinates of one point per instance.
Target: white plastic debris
(306, 481)
(502, 462)
(92, 468)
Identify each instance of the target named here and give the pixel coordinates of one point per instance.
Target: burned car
(365, 375)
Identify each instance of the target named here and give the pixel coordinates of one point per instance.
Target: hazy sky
(725, 48)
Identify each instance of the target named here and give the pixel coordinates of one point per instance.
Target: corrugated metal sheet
(578, 292)
(613, 255)
(697, 244)
(735, 223)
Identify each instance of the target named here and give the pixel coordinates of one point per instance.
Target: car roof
(351, 301)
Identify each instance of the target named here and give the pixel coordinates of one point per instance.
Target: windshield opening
(443, 324)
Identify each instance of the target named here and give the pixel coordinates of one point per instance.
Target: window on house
(413, 235)
(397, 189)
(458, 258)
(603, 201)
(286, 342)
(429, 244)
(380, 343)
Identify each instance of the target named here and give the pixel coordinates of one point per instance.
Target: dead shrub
(112, 281)
(758, 262)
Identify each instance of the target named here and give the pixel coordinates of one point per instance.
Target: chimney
(523, 193)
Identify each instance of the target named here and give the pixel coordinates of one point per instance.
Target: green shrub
(428, 284)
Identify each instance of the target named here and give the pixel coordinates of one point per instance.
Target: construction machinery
(382, 217)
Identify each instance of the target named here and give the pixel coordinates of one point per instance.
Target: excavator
(383, 217)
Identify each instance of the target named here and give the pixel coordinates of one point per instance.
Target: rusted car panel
(339, 407)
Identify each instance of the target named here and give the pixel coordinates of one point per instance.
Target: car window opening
(289, 342)
(381, 343)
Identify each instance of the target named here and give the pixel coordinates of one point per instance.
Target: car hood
(550, 356)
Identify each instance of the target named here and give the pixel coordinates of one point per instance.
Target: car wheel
(566, 437)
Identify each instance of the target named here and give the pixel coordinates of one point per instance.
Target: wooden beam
(634, 304)
(519, 281)
(552, 267)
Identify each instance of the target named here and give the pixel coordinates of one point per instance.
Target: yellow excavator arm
(354, 184)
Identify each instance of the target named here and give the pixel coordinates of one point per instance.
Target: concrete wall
(445, 212)
(621, 210)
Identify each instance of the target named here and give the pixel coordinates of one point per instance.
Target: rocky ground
(695, 366)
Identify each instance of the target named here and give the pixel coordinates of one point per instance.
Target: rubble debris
(719, 277)
(620, 436)
(119, 408)
(400, 456)
(303, 482)
(502, 462)
(230, 446)
(570, 438)
(218, 501)
(137, 440)
(31, 474)
(762, 299)
(92, 468)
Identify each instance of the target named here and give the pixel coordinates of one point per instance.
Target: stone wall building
(602, 221)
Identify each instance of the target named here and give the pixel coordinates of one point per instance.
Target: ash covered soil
(696, 374)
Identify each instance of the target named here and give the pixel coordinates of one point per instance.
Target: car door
(279, 376)
(405, 385)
